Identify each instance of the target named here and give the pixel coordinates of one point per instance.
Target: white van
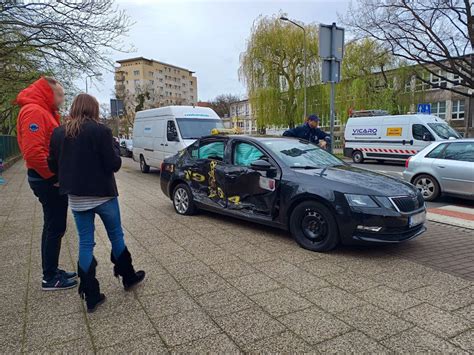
(393, 137)
(162, 132)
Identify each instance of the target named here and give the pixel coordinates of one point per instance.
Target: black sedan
(293, 185)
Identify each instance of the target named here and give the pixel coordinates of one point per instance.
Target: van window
(443, 130)
(460, 152)
(171, 132)
(193, 128)
(419, 130)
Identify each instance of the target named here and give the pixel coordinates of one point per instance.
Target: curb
(450, 221)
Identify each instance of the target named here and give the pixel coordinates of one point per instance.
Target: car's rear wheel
(428, 186)
(143, 165)
(313, 226)
(183, 201)
(357, 156)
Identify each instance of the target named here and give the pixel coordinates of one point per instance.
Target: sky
(206, 37)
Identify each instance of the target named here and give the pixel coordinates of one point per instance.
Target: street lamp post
(90, 76)
(283, 18)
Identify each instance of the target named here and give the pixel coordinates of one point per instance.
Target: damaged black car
(293, 185)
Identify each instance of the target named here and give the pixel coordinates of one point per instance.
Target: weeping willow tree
(272, 67)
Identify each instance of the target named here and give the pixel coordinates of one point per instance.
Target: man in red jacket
(37, 119)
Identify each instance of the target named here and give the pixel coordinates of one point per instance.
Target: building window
(457, 79)
(136, 72)
(152, 82)
(439, 109)
(438, 81)
(457, 112)
(136, 82)
(408, 84)
(150, 73)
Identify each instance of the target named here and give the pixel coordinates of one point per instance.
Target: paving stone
(223, 302)
(157, 283)
(169, 303)
(233, 269)
(203, 284)
(281, 301)
(254, 283)
(416, 340)
(11, 338)
(435, 320)
(373, 321)
(41, 334)
(304, 322)
(321, 267)
(188, 269)
(351, 281)
(466, 312)
(301, 281)
(216, 257)
(353, 342)
(249, 325)
(213, 344)
(119, 328)
(390, 300)
(284, 343)
(275, 268)
(147, 345)
(445, 298)
(333, 299)
(252, 254)
(186, 327)
(75, 347)
(465, 340)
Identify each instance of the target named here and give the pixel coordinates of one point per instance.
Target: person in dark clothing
(36, 121)
(85, 157)
(309, 131)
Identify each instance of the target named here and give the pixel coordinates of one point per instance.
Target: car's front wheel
(428, 186)
(183, 201)
(313, 226)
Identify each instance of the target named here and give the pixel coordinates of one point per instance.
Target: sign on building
(424, 108)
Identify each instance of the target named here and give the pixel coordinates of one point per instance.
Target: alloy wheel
(181, 200)
(426, 186)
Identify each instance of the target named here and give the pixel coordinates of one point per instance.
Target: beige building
(241, 116)
(162, 84)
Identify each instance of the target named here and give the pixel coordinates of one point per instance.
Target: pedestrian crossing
(455, 215)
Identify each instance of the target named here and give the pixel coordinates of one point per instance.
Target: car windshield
(194, 128)
(443, 130)
(301, 154)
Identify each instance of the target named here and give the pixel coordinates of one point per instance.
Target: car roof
(246, 137)
(459, 140)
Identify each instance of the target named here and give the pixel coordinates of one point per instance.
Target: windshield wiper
(306, 167)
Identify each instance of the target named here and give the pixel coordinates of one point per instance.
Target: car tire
(143, 165)
(183, 201)
(428, 186)
(313, 226)
(357, 156)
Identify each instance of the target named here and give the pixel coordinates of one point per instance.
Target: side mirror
(427, 137)
(262, 165)
(172, 136)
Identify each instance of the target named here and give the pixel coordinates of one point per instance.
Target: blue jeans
(109, 213)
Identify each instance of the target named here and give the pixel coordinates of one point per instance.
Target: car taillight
(167, 167)
(407, 162)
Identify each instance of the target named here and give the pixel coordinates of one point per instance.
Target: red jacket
(37, 119)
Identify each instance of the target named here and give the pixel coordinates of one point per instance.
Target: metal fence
(8, 147)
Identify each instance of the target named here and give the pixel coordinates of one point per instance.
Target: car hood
(188, 142)
(349, 179)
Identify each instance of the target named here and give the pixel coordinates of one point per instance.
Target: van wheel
(357, 156)
(428, 186)
(183, 201)
(313, 226)
(143, 166)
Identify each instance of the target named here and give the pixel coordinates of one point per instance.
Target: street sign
(116, 107)
(331, 42)
(330, 71)
(424, 108)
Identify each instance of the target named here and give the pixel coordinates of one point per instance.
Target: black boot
(89, 287)
(123, 267)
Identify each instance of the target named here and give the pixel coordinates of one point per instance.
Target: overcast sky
(206, 37)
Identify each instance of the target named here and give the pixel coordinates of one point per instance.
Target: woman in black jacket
(85, 158)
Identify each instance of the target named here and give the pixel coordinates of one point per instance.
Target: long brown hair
(84, 108)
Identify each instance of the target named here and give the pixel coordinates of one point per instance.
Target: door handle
(440, 166)
(164, 144)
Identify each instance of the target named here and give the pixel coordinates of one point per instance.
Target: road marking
(453, 215)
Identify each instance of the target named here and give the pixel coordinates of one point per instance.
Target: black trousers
(54, 221)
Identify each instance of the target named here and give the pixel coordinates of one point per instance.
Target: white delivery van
(162, 132)
(394, 137)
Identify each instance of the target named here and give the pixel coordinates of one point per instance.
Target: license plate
(417, 219)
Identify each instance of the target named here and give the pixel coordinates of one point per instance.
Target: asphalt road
(395, 169)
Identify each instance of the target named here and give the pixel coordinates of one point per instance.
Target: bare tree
(437, 35)
(221, 104)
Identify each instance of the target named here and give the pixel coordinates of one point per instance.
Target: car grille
(408, 203)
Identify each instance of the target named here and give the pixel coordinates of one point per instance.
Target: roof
(151, 60)
(179, 111)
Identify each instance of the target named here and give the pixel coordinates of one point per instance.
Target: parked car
(294, 185)
(445, 167)
(393, 138)
(162, 132)
(126, 147)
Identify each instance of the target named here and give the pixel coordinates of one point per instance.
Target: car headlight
(360, 201)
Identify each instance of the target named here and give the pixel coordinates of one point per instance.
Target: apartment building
(161, 84)
(241, 116)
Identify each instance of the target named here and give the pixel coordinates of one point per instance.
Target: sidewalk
(453, 215)
(221, 285)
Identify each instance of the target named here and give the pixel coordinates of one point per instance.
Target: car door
(249, 191)
(455, 168)
(204, 171)
(421, 137)
(171, 145)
